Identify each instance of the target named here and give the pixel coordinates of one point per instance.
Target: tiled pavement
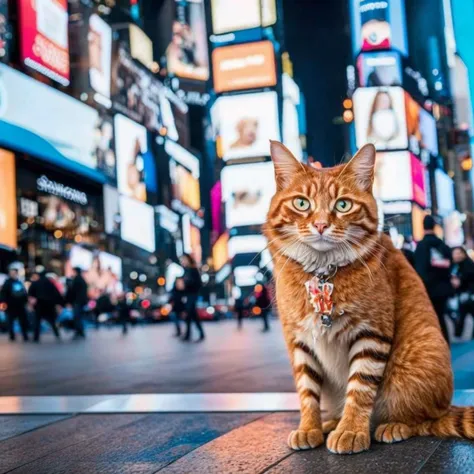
(136, 440)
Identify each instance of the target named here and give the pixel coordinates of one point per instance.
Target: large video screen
(378, 25)
(8, 211)
(247, 191)
(99, 39)
(138, 223)
(244, 66)
(184, 186)
(444, 193)
(245, 124)
(111, 210)
(246, 244)
(380, 69)
(183, 39)
(57, 128)
(44, 42)
(380, 117)
(230, 15)
(131, 146)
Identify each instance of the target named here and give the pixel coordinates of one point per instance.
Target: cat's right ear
(286, 165)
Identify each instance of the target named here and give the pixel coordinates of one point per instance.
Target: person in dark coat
(263, 302)
(462, 280)
(15, 296)
(177, 302)
(192, 286)
(123, 312)
(45, 298)
(433, 263)
(77, 297)
(239, 307)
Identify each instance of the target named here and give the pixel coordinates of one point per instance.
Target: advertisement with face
(137, 223)
(101, 270)
(378, 25)
(244, 66)
(380, 117)
(135, 92)
(8, 212)
(247, 191)
(44, 37)
(183, 39)
(380, 69)
(230, 15)
(104, 146)
(130, 148)
(245, 124)
(58, 127)
(99, 39)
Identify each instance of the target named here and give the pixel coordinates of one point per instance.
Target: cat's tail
(457, 423)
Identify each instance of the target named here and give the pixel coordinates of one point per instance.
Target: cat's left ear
(286, 165)
(362, 167)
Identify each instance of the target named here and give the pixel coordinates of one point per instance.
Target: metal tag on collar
(326, 320)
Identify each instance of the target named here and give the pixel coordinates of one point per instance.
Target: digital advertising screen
(101, 270)
(293, 127)
(99, 41)
(230, 15)
(191, 239)
(141, 46)
(378, 25)
(220, 252)
(380, 117)
(444, 193)
(245, 123)
(5, 33)
(138, 223)
(453, 230)
(130, 147)
(183, 39)
(247, 191)
(58, 128)
(246, 244)
(246, 275)
(8, 209)
(409, 184)
(184, 186)
(135, 92)
(104, 146)
(244, 66)
(380, 69)
(44, 42)
(429, 132)
(175, 117)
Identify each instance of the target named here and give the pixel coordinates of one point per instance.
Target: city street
(97, 428)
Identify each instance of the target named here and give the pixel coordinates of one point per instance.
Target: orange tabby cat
(379, 359)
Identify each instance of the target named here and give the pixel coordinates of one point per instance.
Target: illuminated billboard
(99, 40)
(244, 66)
(378, 25)
(235, 15)
(245, 123)
(444, 193)
(380, 117)
(44, 42)
(247, 191)
(292, 128)
(8, 211)
(380, 69)
(409, 184)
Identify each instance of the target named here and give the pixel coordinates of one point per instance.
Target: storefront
(55, 210)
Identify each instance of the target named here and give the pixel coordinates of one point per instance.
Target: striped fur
(384, 362)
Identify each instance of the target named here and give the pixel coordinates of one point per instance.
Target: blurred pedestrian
(177, 303)
(462, 279)
(15, 296)
(433, 264)
(192, 286)
(77, 297)
(45, 298)
(123, 311)
(239, 307)
(263, 302)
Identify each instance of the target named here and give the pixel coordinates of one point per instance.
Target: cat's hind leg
(393, 432)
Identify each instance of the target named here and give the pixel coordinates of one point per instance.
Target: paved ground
(148, 360)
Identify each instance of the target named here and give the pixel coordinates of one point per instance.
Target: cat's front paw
(348, 442)
(301, 439)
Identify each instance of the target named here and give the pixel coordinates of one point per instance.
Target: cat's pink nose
(321, 226)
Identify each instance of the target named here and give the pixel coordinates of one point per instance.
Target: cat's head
(322, 217)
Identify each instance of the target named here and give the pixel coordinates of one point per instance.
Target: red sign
(44, 37)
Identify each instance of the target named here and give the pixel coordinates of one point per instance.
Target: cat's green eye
(301, 204)
(343, 205)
